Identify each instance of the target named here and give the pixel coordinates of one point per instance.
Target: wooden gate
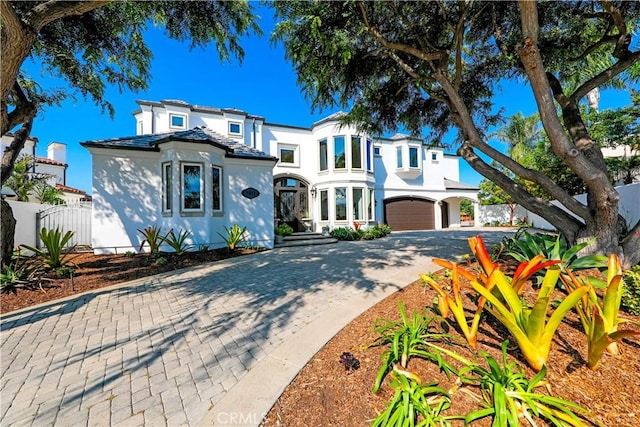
(74, 217)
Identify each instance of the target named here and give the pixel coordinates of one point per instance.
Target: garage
(409, 213)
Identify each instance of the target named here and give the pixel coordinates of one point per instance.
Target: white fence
(629, 208)
(32, 217)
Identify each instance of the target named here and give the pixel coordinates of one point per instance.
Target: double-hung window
(192, 185)
(216, 189)
(167, 187)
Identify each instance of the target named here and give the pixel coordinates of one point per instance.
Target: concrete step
(305, 239)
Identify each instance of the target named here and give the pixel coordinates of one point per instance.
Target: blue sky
(264, 84)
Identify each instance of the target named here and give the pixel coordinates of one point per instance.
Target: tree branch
(47, 12)
(397, 46)
(598, 80)
(556, 216)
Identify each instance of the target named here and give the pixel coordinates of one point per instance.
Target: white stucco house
(200, 168)
(53, 168)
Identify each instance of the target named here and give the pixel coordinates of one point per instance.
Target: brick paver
(163, 350)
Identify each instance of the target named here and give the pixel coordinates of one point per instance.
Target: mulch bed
(324, 393)
(97, 271)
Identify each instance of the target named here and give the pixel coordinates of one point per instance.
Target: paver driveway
(165, 350)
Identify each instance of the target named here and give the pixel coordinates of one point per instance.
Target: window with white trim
(177, 121)
(323, 152)
(288, 154)
(339, 153)
(414, 157)
(399, 157)
(192, 186)
(324, 205)
(167, 187)
(358, 204)
(434, 157)
(356, 152)
(341, 204)
(216, 188)
(372, 205)
(369, 156)
(235, 128)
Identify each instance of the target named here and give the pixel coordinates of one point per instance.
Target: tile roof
(47, 161)
(69, 189)
(198, 135)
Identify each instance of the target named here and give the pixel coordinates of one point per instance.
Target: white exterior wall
(134, 201)
(25, 215)
(126, 197)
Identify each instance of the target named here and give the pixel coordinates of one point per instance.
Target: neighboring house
(53, 167)
(317, 177)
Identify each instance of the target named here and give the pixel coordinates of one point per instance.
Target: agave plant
(55, 254)
(153, 237)
(177, 242)
(600, 319)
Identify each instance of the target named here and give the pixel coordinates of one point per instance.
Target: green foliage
(631, 294)
(177, 242)
(48, 195)
(600, 316)
(410, 337)
(105, 46)
(412, 403)
(344, 233)
(509, 395)
(525, 246)
(23, 181)
(235, 236)
(466, 208)
(55, 255)
(283, 230)
(17, 274)
(161, 261)
(152, 235)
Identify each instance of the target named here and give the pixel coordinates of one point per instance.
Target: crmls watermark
(239, 419)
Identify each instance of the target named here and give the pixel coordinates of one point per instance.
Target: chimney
(57, 151)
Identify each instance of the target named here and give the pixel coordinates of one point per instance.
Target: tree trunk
(8, 224)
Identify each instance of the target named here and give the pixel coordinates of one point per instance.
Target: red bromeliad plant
(453, 301)
(600, 320)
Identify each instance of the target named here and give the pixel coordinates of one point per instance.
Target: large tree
(436, 64)
(92, 45)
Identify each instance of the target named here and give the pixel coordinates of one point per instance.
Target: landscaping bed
(325, 393)
(97, 271)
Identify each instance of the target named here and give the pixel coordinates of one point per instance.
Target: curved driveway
(169, 349)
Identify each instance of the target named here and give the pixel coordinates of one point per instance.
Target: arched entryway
(291, 198)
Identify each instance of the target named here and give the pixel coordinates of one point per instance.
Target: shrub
(55, 255)
(631, 294)
(344, 233)
(283, 230)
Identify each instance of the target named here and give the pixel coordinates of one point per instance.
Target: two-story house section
(328, 175)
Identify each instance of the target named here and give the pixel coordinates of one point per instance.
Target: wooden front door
(290, 202)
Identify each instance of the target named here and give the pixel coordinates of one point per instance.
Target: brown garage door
(409, 214)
